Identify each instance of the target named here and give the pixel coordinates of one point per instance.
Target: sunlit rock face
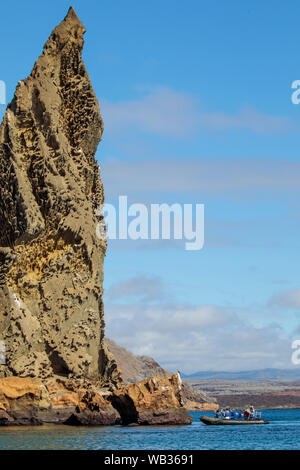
(157, 400)
(51, 261)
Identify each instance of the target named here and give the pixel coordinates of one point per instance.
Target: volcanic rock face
(51, 261)
(26, 401)
(157, 400)
(134, 368)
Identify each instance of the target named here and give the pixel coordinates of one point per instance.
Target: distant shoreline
(262, 394)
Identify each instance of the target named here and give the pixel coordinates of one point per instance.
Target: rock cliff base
(25, 401)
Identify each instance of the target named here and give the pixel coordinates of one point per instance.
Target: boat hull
(229, 422)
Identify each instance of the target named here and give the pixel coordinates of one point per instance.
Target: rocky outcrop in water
(25, 401)
(58, 368)
(51, 261)
(136, 368)
(157, 400)
(19, 398)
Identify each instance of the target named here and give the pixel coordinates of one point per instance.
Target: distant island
(256, 374)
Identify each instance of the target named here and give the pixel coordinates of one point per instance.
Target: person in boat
(252, 412)
(227, 413)
(247, 413)
(218, 413)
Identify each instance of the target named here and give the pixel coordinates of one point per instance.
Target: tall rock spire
(51, 261)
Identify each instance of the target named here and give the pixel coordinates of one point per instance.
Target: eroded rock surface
(157, 400)
(25, 401)
(136, 368)
(51, 261)
(58, 367)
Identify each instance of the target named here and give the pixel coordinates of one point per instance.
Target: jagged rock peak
(71, 15)
(51, 261)
(69, 30)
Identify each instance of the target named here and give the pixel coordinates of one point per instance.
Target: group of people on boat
(233, 413)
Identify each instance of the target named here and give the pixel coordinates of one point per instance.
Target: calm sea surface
(283, 432)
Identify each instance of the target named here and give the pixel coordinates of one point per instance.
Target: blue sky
(196, 101)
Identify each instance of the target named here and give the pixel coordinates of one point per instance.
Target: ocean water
(283, 432)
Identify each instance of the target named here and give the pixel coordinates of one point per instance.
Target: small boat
(223, 421)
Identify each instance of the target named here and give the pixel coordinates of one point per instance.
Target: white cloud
(164, 112)
(167, 112)
(197, 337)
(144, 288)
(208, 176)
(247, 119)
(288, 299)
